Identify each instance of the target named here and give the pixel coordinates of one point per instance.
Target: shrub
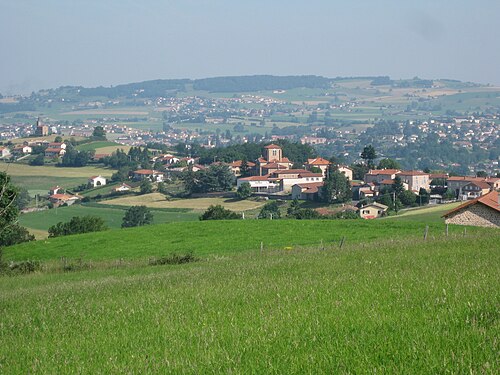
(78, 225)
(218, 212)
(270, 210)
(173, 259)
(137, 216)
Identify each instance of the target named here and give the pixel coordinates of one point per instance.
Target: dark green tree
(398, 186)
(407, 198)
(244, 169)
(77, 225)
(336, 188)
(39, 160)
(388, 164)
(146, 186)
(10, 232)
(369, 155)
(217, 212)
(244, 191)
(270, 210)
(99, 133)
(137, 216)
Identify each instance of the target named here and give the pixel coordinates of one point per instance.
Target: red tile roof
(383, 171)
(489, 200)
(413, 173)
(271, 146)
(480, 184)
(255, 178)
(146, 171)
(318, 161)
(238, 163)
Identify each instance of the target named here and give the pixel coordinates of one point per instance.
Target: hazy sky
(48, 43)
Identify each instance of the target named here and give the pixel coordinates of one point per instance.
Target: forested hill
(168, 87)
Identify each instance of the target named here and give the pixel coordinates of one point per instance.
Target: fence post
(342, 242)
(446, 230)
(261, 246)
(465, 231)
(426, 232)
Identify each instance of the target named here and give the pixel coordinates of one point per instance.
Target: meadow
(408, 306)
(113, 216)
(226, 238)
(38, 180)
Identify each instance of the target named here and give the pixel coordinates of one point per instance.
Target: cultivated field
(157, 200)
(406, 306)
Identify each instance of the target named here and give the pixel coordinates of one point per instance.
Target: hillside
(406, 306)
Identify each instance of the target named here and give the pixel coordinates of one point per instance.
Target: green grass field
(405, 307)
(425, 214)
(38, 180)
(92, 146)
(223, 237)
(113, 216)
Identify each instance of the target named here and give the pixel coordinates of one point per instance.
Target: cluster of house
(57, 195)
(53, 149)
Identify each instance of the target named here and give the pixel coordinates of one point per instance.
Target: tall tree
(336, 188)
(388, 163)
(369, 155)
(137, 216)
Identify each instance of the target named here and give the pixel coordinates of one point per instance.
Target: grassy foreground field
(226, 237)
(405, 307)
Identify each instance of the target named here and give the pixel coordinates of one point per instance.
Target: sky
(50, 43)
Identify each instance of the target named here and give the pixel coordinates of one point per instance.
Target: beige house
(373, 211)
(378, 175)
(480, 212)
(415, 180)
(346, 170)
(320, 163)
(474, 190)
(456, 183)
(288, 178)
(152, 175)
(310, 191)
(236, 166)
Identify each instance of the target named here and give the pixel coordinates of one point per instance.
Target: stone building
(480, 212)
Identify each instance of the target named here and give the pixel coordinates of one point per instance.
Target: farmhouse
(59, 199)
(480, 212)
(379, 175)
(152, 175)
(373, 211)
(415, 180)
(309, 191)
(4, 152)
(236, 166)
(56, 190)
(22, 150)
(52, 152)
(320, 163)
(96, 181)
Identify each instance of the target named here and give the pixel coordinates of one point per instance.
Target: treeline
(260, 82)
(17, 107)
(296, 152)
(168, 87)
(146, 89)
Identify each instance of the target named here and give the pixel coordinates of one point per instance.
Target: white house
(123, 187)
(259, 184)
(96, 181)
(4, 152)
(152, 175)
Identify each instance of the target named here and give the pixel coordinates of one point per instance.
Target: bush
(173, 259)
(244, 191)
(270, 210)
(78, 225)
(218, 212)
(137, 216)
(25, 267)
(307, 214)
